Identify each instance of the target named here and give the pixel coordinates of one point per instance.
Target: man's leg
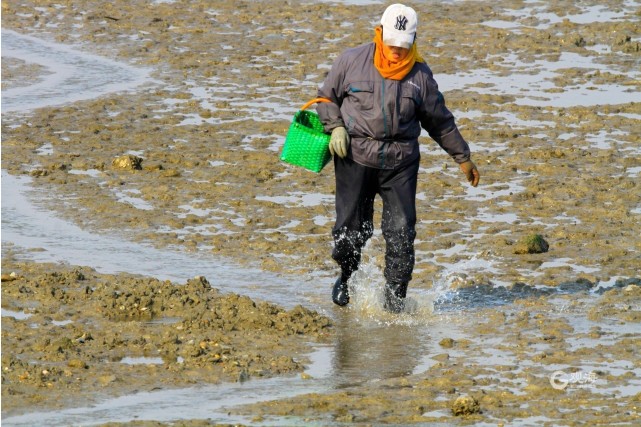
(398, 191)
(354, 220)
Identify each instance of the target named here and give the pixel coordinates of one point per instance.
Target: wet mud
(17, 73)
(189, 160)
(71, 333)
(495, 377)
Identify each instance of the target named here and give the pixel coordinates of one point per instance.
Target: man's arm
(332, 89)
(439, 122)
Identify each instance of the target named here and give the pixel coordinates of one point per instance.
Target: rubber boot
(394, 297)
(340, 293)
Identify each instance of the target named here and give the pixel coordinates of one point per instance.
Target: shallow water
(51, 239)
(70, 75)
(532, 83)
(168, 405)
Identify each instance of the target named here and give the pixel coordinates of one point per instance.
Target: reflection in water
(370, 351)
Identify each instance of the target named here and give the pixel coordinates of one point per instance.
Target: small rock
(170, 173)
(447, 343)
(243, 376)
(9, 277)
(202, 280)
(106, 379)
(444, 357)
(532, 244)
(76, 363)
(466, 405)
(38, 173)
(264, 175)
(153, 168)
(128, 161)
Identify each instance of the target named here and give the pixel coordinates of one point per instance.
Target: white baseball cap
(399, 26)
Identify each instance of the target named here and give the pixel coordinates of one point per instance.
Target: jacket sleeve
(439, 122)
(332, 89)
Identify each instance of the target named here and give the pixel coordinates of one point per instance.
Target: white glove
(339, 142)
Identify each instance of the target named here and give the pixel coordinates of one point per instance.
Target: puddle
(128, 197)
(165, 321)
(532, 83)
(61, 322)
(566, 262)
(588, 15)
(94, 173)
(142, 361)
(18, 315)
(263, 107)
(299, 199)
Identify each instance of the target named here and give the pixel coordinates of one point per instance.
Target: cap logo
(401, 23)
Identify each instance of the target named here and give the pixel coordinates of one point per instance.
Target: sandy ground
(228, 78)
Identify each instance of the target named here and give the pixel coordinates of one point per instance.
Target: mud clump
(447, 343)
(87, 323)
(466, 405)
(18, 73)
(532, 244)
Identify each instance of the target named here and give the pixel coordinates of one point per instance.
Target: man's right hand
(339, 142)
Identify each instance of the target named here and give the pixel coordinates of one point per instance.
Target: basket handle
(314, 101)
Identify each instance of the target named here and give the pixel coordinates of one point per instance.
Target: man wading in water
(381, 94)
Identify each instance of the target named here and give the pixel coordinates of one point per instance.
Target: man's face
(397, 53)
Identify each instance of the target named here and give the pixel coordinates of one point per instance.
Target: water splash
(366, 295)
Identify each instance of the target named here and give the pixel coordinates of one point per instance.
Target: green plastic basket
(306, 144)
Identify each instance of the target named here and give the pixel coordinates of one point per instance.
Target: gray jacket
(384, 117)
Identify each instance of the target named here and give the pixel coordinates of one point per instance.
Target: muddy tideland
(162, 266)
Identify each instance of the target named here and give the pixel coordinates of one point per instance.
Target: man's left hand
(471, 172)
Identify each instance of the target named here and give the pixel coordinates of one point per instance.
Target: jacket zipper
(383, 151)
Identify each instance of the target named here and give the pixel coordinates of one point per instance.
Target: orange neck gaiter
(391, 69)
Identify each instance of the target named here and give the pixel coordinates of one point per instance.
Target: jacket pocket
(409, 104)
(361, 94)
